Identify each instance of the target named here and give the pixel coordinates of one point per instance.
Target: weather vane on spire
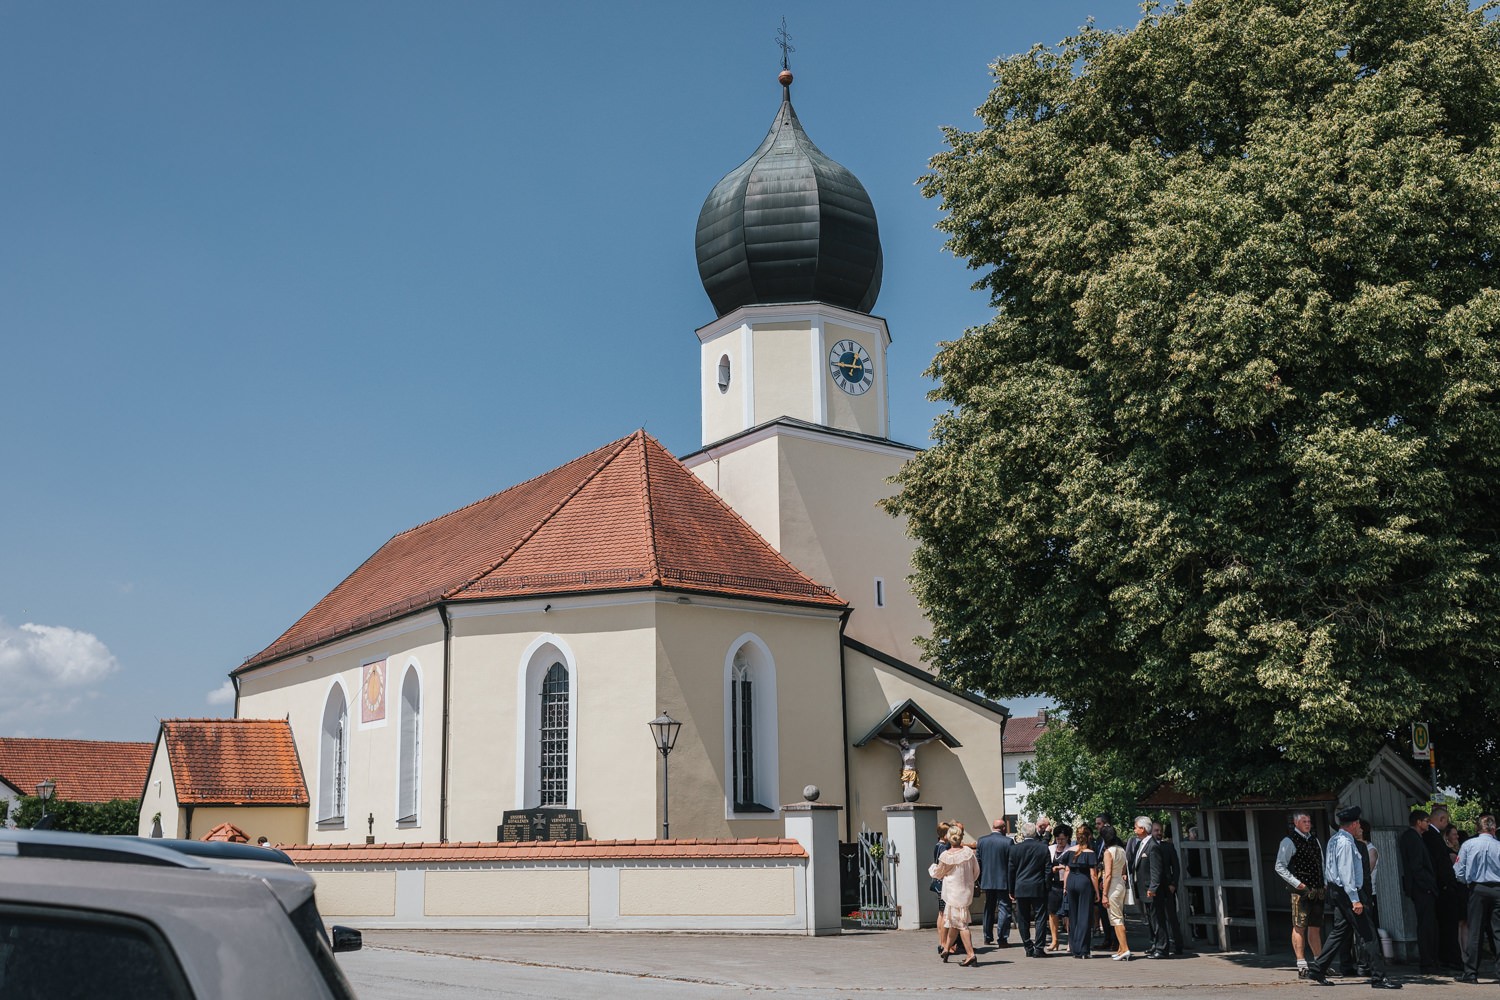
(785, 76)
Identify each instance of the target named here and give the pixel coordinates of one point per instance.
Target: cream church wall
(611, 642)
(724, 412)
(297, 689)
(783, 372)
(966, 782)
(749, 479)
(693, 642)
(833, 531)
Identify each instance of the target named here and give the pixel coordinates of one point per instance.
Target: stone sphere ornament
(811, 793)
(910, 793)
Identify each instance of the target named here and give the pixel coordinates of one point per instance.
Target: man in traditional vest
(1299, 862)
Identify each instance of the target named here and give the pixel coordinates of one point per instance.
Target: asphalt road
(408, 965)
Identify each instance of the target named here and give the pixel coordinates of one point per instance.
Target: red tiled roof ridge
(619, 446)
(218, 718)
(651, 549)
(724, 504)
(39, 740)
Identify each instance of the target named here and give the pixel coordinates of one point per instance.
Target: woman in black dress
(1082, 889)
(1057, 902)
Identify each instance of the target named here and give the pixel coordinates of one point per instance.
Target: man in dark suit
(994, 878)
(1449, 894)
(1028, 865)
(1419, 882)
(1148, 870)
(1167, 895)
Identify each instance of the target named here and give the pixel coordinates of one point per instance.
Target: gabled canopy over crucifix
(907, 727)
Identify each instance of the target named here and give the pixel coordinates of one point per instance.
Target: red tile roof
(626, 516)
(239, 761)
(543, 850)
(1021, 733)
(85, 770)
(227, 832)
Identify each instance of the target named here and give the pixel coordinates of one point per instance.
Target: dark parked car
(89, 916)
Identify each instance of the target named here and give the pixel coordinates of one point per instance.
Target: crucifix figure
(910, 784)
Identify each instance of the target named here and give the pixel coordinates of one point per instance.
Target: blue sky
(280, 280)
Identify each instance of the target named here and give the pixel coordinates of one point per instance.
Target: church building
(506, 657)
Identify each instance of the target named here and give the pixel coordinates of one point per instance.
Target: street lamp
(44, 790)
(664, 731)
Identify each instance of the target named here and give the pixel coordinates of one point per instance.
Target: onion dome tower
(789, 225)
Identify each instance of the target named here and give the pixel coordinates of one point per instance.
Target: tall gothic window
(752, 778)
(554, 737)
(333, 759)
(742, 722)
(411, 747)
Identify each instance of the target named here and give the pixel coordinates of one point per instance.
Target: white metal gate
(877, 882)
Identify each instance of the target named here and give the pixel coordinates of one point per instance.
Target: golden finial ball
(785, 76)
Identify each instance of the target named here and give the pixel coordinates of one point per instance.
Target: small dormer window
(724, 373)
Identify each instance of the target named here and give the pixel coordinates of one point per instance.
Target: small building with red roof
(82, 770)
(205, 773)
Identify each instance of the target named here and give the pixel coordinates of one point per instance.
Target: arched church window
(724, 373)
(742, 723)
(750, 737)
(410, 764)
(333, 758)
(554, 737)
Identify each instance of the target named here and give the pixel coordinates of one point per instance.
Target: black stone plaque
(541, 824)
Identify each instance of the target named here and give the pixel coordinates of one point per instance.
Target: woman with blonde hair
(958, 867)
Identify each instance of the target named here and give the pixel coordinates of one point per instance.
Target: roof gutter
(442, 610)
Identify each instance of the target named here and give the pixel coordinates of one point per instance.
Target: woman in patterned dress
(958, 867)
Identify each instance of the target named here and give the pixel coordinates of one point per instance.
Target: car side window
(60, 952)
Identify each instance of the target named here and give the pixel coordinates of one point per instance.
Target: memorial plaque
(541, 824)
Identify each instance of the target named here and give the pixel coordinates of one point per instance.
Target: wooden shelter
(1231, 898)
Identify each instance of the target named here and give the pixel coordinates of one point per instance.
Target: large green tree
(1221, 475)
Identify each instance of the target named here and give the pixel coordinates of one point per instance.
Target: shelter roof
(85, 770)
(626, 516)
(239, 761)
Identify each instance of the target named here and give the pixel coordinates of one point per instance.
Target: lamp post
(664, 731)
(44, 790)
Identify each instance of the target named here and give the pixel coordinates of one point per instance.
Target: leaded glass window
(554, 736)
(742, 706)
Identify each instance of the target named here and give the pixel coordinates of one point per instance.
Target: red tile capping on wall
(544, 850)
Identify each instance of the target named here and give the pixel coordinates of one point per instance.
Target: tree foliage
(1072, 781)
(118, 816)
(1220, 476)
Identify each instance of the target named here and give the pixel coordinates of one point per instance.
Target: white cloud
(48, 670)
(222, 695)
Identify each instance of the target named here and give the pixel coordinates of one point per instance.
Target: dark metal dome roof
(789, 225)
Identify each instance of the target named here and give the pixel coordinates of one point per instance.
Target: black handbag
(937, 886)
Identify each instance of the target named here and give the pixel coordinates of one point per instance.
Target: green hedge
(115, 816)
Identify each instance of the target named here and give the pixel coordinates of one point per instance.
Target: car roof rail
(91, 847)
(222, 850)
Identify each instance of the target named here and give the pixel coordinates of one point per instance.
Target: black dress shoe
(1384, 984)
(1153, 954)
(1313, 976)
(1474, 980)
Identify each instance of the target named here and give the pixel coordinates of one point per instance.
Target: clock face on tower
(849, 364)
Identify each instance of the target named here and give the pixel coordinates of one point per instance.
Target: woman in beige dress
(959, 869)
(1112, 882)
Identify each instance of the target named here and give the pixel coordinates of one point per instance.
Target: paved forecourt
(397, 965)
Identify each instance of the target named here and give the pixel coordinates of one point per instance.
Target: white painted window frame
(764, 724)
(336, 819)
(413, 667)
(539, 656)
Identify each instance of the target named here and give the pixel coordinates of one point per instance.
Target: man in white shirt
(1344, 874)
